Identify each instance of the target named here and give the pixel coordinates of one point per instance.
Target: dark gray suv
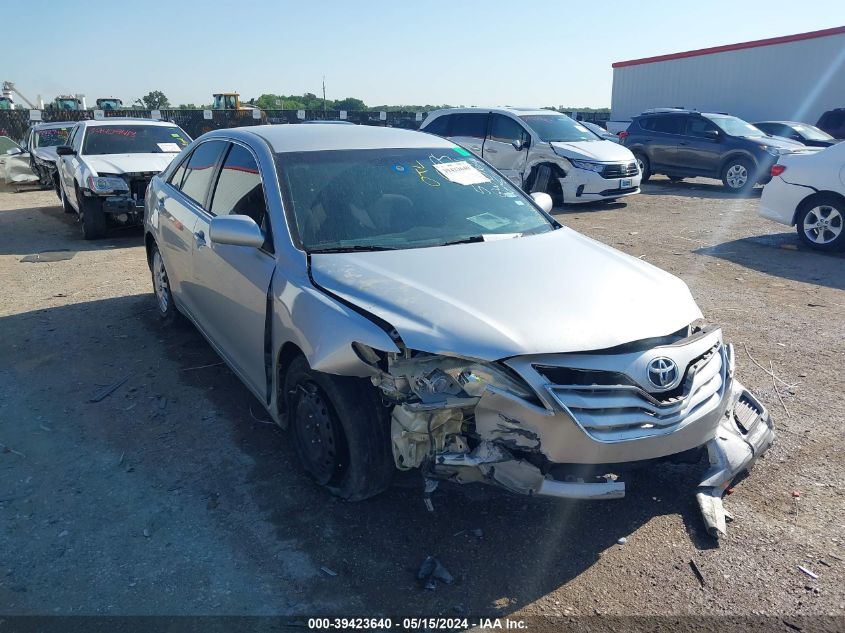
(686, 143)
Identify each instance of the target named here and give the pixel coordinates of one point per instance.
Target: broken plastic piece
(432, 570)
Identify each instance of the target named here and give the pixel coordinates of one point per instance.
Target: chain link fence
(15, 123)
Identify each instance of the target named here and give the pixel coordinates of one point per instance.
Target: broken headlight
(107, 184)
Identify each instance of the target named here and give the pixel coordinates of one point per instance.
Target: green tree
(351, 104)
(156, 100)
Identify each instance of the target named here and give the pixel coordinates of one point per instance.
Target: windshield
(401, 198)
(134, 139)
(558, 128)
(812, 133)
(52, 136)
(734, 126)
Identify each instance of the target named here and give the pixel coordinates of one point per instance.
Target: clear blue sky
(462, 52)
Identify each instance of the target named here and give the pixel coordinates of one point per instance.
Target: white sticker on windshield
(169, 147)
(461, 172)
(488, 220)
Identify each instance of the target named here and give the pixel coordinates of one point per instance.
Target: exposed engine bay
(509, 424)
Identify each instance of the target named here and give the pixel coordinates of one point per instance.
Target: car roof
(53, 125)
(498, 110)
(117, 120)
(785, 123)
(309, 138)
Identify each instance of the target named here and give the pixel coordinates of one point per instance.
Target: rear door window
(673, 124)
(199, 170)
(472, 124)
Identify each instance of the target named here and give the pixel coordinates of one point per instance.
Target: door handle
(199, 237)
(475, 148)
(490, 150)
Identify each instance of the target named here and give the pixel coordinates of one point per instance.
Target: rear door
(499, 149)
(232, 281)
(468, 129)
(180, 202)
(666, 133)
(697, 150)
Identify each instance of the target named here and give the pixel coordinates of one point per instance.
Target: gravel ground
(172, 495)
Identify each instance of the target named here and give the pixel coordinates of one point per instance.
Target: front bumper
(606, 428)
(582, 185)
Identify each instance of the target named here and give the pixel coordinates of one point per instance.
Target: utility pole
(324, 96)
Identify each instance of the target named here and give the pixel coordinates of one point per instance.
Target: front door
(701, 148)
(232, 282)
(500, 147)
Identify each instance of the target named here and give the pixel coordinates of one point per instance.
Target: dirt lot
(173, 496)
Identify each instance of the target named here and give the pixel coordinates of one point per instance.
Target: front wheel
(820, 223)
(341, 431)
(738, 175)
(93, 218)
(644, 166)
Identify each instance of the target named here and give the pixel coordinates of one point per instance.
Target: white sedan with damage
(399, 304)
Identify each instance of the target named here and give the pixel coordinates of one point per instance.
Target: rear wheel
(161, 287)
(738, 175)
(644, 166)
(341, 431)
(820, 223)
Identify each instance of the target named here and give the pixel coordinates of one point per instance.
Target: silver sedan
(399, 304)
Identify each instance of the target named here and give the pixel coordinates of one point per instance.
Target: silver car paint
(619, 298)
(566, 294)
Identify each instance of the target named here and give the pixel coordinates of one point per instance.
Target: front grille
(620, 170)
(612, 407)
(617, 192)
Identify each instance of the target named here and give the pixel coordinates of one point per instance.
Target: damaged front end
(122, 195)
(567, 425)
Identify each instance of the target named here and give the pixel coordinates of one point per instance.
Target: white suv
(542, 150)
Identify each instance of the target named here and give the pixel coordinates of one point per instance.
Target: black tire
(93, 218)
(739, 175)
(544, 179)
(825, 214)
(58, 187)
(165, 305)
(644, 165)
(341, 431)
(66, 206)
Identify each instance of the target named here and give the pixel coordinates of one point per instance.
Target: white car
(105, 168)
(542, 151)
(807, 191)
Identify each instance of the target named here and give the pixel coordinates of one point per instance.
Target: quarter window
(199, 170)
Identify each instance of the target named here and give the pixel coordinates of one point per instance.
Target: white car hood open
(599, 151)
(128, 163)
(551, 293)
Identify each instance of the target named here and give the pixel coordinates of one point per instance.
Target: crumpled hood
(555, 292)
(47, 154)
(128, 163)
(599, 151)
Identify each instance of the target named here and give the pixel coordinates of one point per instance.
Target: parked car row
(399, 304)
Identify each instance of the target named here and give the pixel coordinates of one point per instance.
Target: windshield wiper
(351, 249)
(467, 240)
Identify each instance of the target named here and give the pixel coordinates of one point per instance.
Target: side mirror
(543, 200)
(15, 151)
(520, 144)
(237, 230)
(712, 134)
(65, 150)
